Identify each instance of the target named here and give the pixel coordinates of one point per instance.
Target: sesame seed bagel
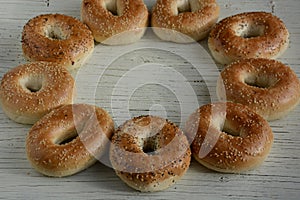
(149, 153)
(69, 139)
(30, 91)
(248, 35)
(115, 22)
(269, 87)
(229, 137)
(57, 38)
(184, 21)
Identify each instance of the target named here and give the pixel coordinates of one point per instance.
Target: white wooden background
(113, 78)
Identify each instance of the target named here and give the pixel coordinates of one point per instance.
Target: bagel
(57, 38)
(30, 91)
(184, 21)
(269, 87)
(229, 137)
(115, 22)
(69, 139)
(248, 35)
(149, 153)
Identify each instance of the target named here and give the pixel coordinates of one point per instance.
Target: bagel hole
(188, 6)
(56, 32)
(149, 145)
(259, 81)
(183, 6)
(250, 30)
(32, 83)
(34, 88)
(228, 129)
(112, 7)
(67, 138)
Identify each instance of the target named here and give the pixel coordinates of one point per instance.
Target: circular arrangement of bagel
(150, 153)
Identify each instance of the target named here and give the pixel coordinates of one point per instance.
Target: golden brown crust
(57, 38)
(187, 26)
(30, 91)
(248, 35)
(130, 20)
(269, 87)
(229, 137)
(149, 153)
(50, 157)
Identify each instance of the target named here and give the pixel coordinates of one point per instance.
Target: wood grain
(168, 94)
